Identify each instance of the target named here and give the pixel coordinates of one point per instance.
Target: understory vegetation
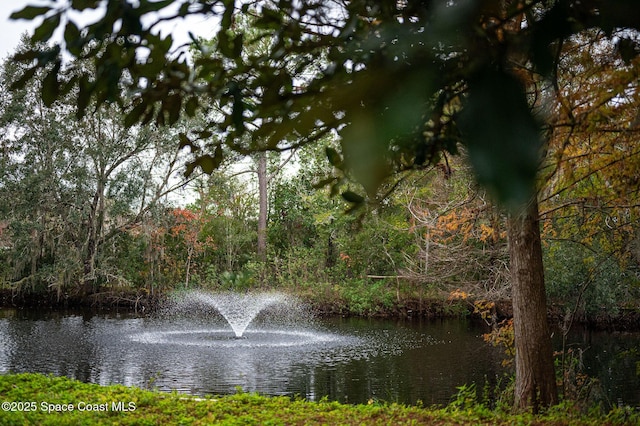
(48, 399)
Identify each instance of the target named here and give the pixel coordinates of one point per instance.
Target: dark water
(350, 360)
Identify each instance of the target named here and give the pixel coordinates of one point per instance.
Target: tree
(589, 201)
(228, 215)
(448, 74)
(75, 185)
(263, 198)
(460, 233)
(260, 41)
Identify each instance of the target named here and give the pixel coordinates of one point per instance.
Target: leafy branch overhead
(401, 82)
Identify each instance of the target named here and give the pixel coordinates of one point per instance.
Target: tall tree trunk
(94, 231)
(89, 279)
(188, 268)
(262, 214)
(535, 377)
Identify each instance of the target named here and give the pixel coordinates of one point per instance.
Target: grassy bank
(47, 400)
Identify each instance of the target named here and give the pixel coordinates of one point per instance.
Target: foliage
(585, 282)
(590, 200)
(244, 408)
(574, 383)
(327, 55)
(73, 190)
(502, 336)
(576, 386)
(460, 234)
(228, 215)
(437, 230)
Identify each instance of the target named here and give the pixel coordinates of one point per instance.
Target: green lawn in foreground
(42, 400)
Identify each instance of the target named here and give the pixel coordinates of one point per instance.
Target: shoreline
(626, 319)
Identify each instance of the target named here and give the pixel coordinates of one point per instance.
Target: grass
(47, 400)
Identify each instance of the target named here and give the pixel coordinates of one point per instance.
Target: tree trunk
(94, 231)
(262, 214)
(535, 385)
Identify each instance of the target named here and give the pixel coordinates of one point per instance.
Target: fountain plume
(238, 309)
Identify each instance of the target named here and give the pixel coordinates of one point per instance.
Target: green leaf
(353, 197)
(237, 114)
(224, 45)
(185, 141)
(209, 163)
(189, 169)
(503, 138)
(28, 75)
(172, 105)
(191, 106)
(147, 6)
(324, 182)
(50, 86)
(334, 158)
(26, 56)
(135, 114)
(84, 95)
(238, 42)
(206, 163)
(184, 9)
(84, 4)
(45, 30)
(218, 156)
(30, 12)
(270, 19)
(73, 38)
(227, 17)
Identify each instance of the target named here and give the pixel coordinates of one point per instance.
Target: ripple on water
(224, 338)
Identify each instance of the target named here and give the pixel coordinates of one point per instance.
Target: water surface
(349, 360)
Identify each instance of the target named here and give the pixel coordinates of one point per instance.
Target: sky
(11, 30)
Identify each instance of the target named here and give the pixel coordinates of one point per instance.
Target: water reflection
(350, 360)
(612, 358)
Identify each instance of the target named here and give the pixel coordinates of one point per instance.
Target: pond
(349, 360)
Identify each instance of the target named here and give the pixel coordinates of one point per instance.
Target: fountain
(200, 318)
(239, 309)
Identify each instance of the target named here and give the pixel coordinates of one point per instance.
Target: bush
(585, 281)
